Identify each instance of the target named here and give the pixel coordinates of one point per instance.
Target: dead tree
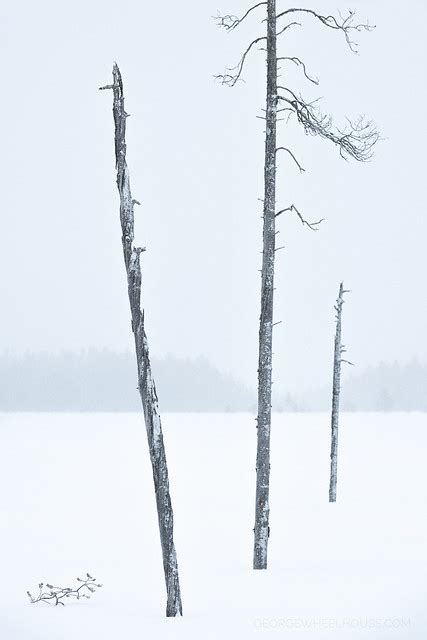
(339, 350)
(355, 141)
(146, 386)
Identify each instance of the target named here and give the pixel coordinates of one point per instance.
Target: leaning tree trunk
(146, 384)
(336, 388)
(262, 509)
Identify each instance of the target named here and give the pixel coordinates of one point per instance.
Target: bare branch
(230, 22)
(54, 595)
(344, 24)
(356, 141)
(347, 362)
(292, 156)
(311, 225)
(291, 24)
(230, 79)
(297, 61)
(296, 98)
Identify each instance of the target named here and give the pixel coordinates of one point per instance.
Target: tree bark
(146, 384)
(356, 142)
(262, 509)
(336, 388)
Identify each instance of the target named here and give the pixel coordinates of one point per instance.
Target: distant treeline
(101, 380)
(386, 387)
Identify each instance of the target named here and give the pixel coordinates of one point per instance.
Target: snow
(77, 495)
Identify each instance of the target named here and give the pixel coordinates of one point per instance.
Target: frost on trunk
(146, 384)
(336, 388)
(356, 141)
(262, 509)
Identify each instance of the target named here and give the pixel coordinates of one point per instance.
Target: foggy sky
(195, 153)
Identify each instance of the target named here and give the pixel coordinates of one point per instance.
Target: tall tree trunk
(356, 142)
(146, 384)
(336, 388)
(262, 509)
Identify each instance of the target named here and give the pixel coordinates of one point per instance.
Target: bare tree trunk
(336, 388)
(357, 142)
(262, 509)
(146, 384)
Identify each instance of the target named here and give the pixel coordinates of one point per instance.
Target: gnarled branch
(311, 225)
(356, 140)
(291, 24)
(345, 24)
(298, 62)
(230, 22)
(231, 79)
(55, 595)
(292, 156)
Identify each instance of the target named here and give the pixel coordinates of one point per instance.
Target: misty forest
(214, 383)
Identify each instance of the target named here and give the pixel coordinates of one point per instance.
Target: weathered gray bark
(356, 141)
(146, 384)
(336, 388)
(262, 509)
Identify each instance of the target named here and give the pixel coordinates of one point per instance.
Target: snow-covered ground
(76, 495)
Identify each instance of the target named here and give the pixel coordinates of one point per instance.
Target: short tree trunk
(336, 388)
